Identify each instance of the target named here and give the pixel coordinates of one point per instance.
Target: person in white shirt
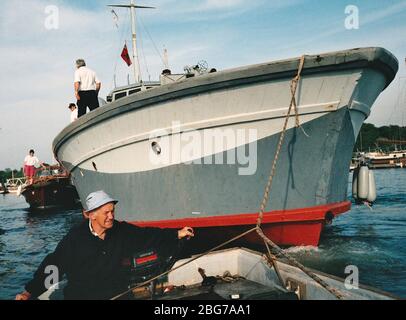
(74, 112)
(30, 164)
(87, 87)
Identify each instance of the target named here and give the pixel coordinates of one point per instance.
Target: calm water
(374, 240)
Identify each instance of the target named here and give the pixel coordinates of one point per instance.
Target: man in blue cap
(91, 255)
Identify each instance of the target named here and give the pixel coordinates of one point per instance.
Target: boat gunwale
(317, 272)
(361, 58)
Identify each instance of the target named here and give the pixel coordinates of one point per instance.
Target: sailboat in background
(122, 147)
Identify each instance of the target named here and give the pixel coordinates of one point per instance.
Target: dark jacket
(95, 268)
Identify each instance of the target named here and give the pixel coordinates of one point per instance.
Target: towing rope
(270, 257)
(293, 87)
(265, 200)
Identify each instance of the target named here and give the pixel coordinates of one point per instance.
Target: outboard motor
(150, 263)
(145, 265)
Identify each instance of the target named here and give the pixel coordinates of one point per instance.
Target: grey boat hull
(110, 148)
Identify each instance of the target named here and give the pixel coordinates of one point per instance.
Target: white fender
(19, 191)
(372, 187)
(363, 183)
(355, 183)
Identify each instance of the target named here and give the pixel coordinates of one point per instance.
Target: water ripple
(374, 241)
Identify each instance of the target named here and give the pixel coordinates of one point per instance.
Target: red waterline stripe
(279, 216)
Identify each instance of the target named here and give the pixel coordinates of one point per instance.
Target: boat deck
(240, 274)
(241, 289)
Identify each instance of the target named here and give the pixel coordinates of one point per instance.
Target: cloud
(384, 13)
(186, 11)
(365, 20)
(37, 79)
(219, 5)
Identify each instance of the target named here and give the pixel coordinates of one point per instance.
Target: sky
(41, 39)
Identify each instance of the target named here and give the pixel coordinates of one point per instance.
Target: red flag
(125, 56)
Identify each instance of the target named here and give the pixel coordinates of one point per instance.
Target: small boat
(382, 160)
(51, 188)
(254, 267)
(3, 189)
(242, 274)
(13, 185)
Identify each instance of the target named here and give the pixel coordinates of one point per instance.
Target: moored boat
(12, 185)
(336, 93)
(3, 189)
(174, 152)
(51, 188)
(382, 160)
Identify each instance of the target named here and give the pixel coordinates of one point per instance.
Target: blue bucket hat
(97, 199)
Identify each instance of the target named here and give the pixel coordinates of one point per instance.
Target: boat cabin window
(45, 173)
(120, 95)
(134, 91)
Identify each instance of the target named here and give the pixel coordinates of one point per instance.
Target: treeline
(385, 138)
(8, 174)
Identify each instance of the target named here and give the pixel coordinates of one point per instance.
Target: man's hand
(77, 89)
(186, 232)
(98, 86)
(23, 296)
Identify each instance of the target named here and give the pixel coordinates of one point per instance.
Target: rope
(272, 260)
(293, 87)
(264, 203)
(152, 40)
(293, 262)
(141, 41)
(124, 30)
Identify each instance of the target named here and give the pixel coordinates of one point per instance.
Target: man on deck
(87, 87)
(92, 254)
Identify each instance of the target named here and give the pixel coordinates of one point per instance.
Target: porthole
(156, 148)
